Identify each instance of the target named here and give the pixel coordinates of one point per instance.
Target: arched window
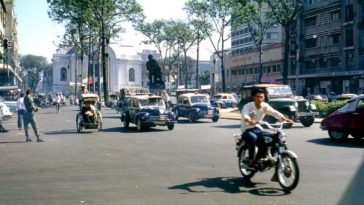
(63, 74)
(131, 74)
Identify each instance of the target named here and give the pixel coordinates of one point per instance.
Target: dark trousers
(253, 137)
(20, 118)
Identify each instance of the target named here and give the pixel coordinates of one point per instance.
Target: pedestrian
(57, 102)
(29, 117)
(21, 110)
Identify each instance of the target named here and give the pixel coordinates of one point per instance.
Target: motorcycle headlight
(282, 137)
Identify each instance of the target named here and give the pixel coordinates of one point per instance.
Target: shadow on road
(237, 126)
(13, 142)
(228, 185)
(350, 142)
(111, 117)
(131, 130)
(185, 121)
(61, 132)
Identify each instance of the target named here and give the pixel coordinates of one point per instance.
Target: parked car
(345, 96)
(195, 107)
(227, 99)
(5, 111)
(147, 111)
(281, 98)
(318, 98)
(11, 105)
(346, 121)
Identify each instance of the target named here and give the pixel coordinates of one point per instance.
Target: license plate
(163, 117)
(210, 112)
(159, 122)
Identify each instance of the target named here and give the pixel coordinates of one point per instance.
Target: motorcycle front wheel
(243, 164)
(288, 172)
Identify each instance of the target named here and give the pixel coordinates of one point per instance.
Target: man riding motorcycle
(252, 113)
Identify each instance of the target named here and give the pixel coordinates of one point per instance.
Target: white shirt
(20, 104)
(57, 99)
(250, 111)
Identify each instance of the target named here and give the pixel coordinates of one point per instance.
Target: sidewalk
(234, 114)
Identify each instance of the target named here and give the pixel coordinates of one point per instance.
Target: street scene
(193, 164)
(182, 102)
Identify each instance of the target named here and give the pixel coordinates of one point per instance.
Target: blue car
(195, 107)
(147, 111)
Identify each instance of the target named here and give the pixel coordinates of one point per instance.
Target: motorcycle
(284, 161)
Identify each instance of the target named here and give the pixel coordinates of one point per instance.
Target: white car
(5, 111)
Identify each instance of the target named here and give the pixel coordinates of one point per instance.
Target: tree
(221, 13)
(185, 40)
(109, 14)
(32, 66)
(163, 35)
(286, 13)
(204, 78)
(259, 18)
(200, 25)
(75, 14)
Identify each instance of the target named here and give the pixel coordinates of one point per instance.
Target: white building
(125, 69)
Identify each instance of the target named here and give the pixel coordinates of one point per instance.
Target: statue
(154, 74)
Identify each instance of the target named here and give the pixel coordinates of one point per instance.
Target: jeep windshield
(278, 92)
(151, 102)
(199, 99)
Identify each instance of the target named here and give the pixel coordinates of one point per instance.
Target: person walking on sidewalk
(29, 117)
(21, 110)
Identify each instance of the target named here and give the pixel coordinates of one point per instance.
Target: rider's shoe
(274, 177)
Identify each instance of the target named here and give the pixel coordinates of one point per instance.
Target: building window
(310, 43)
(335, 38)
(310, 2)
(310, 21)
(335, 61)
(311, 64)
(272, 36)
(349, 38)
(323, 63)
(63, 74)
(349, 58)
(335, 15)
(349, 13)
(132, 75)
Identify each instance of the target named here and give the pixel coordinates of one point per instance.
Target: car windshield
(349, 107)
(218, 97)
(151, 102)
(199, 99)
(280, 91)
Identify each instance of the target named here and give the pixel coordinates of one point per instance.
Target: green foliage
(325, 109)
(204, 78)
(32, 66)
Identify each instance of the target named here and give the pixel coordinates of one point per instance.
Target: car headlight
(313, 107)
(307, 103)
(198, 109)
(295, 104)
(145, 116)
(292, 108)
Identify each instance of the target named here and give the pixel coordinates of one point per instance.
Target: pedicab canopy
(89, 97)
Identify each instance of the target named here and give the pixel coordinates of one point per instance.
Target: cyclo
(88, 117)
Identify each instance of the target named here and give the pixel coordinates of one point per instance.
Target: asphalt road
(193, 164)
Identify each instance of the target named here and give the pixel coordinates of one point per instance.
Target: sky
(38, 34)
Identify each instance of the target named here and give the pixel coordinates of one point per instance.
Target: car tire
(307, 122)
(139, 125)
(126, 122)
(337, 135)
(191, 117)
(170, 127)
(215, 119)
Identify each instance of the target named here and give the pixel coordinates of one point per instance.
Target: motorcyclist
(251, 114)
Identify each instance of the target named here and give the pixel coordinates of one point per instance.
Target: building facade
(125, 70)
(331, 54)
(243, 69)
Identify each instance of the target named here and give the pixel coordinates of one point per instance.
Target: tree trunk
(76, 59)
(260, 64)
(104, 69)
(222, 64)
(286, 55)
(197, 62)
(186, 69)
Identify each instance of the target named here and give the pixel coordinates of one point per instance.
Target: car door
(357, 121)
(132, 110)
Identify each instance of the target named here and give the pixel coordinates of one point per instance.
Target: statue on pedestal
(154, 74)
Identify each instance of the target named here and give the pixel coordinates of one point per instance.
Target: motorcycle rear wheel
(288, 172)
(243, 157)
